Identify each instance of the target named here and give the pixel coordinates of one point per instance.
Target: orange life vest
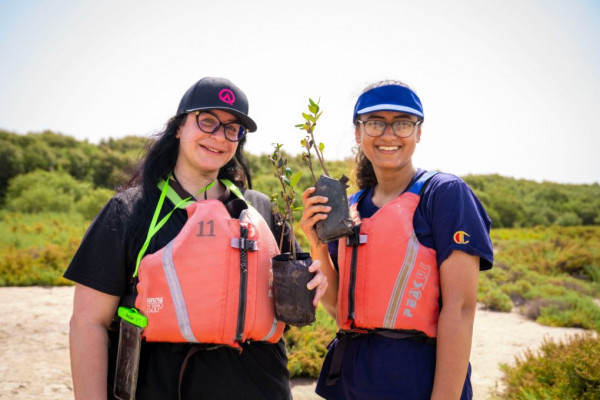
(388, 280)
(213, 282)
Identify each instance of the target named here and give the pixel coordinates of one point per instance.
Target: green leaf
(312, 109)
(303, 142)
(295, 178)
(286, 180)
(288, 172)
(307, 117)
(301, 126)
(321, 147)
(280, 163)
(297, 208)
(312, 102)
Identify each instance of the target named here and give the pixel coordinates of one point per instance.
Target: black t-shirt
(105, 263)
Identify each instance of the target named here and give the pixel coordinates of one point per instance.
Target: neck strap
(167, 191)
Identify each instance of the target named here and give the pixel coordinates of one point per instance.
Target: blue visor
(389, 98)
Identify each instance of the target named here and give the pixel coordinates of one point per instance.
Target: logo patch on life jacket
(460, 237)
(155, 304)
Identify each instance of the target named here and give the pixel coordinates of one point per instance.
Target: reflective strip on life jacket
(388, 280)
(198, 288)
(177, 294)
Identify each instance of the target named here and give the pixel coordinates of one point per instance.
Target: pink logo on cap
(227, 96)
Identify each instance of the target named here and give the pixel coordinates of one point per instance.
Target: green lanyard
(179, 203)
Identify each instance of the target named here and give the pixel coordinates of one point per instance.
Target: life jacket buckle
(244, 244)
(356, 238)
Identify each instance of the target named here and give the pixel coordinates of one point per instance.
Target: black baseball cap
(217, 94)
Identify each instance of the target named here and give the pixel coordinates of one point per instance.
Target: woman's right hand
(314, 210)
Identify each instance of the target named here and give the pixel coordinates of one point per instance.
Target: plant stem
(319, 155)
(291, 233)
(309, 160)
(281, 236)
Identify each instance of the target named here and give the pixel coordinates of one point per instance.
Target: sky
(508, 87)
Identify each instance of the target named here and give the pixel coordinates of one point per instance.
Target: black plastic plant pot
(338, 223)
(293, 301)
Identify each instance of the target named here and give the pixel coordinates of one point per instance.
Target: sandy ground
(34, 349)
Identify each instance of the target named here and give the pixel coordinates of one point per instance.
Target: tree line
(48, 171)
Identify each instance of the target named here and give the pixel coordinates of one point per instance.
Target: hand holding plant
(338, 223)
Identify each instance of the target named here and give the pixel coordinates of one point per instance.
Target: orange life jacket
(388, 280)
(213, 282)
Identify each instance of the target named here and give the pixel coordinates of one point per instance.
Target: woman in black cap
(184, 254)
(403, 288)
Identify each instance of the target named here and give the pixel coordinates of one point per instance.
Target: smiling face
(388, 152)
(203, 153)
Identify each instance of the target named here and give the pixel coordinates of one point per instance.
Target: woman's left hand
(319, 282)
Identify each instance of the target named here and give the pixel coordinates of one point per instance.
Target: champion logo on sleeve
(461, 237)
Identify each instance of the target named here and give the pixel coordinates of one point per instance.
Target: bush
(569, 370)
(42, 191)
(91, 204)
(571, 310)
(35, 249)
(552, 274)
(496, 300)
(569, 219)
(307, 346)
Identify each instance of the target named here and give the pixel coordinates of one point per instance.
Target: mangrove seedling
(338, 223)
(284, 212)
(308, 143)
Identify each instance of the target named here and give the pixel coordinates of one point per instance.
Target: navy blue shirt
(449, 217)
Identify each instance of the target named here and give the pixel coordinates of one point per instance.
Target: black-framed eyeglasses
(208, 123)
(402, 129)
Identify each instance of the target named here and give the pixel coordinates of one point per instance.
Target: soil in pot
(293, 301)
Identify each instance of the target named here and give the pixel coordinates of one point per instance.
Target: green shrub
(34, 266)
(571, 310)
(91, 204)
(496, 300)
(569, 370)
(42, 191)
(551, 273)
(35, 249)
(306, 346)
(569, 219)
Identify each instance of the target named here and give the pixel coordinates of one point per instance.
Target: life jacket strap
(191, 351)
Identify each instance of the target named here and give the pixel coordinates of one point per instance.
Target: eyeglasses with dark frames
(208, 123)
(402, 129)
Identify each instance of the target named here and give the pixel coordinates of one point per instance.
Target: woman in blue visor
(403, 287)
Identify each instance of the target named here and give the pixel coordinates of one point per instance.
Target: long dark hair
(364, 173)
(159, 161)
